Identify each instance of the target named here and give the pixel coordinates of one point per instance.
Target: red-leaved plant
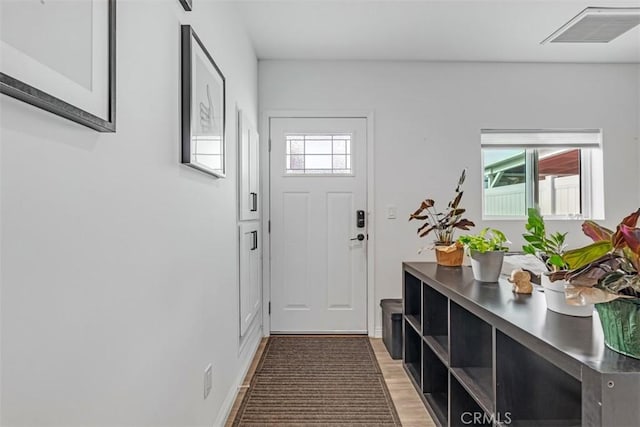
(444, 223)
(607, 269)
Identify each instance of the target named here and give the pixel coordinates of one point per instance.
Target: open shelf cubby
(435, 318)
(435, 386)
(413, 354)
(482, 355)
(411, 301)
(471, 355)
(465, 410)
(532, 390)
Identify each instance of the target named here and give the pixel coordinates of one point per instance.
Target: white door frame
(265, 183)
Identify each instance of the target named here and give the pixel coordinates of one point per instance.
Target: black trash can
(392, 326)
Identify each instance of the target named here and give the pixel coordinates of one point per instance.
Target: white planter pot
(486, 266)
(556, 301)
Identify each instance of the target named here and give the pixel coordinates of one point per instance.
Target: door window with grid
(318, 154)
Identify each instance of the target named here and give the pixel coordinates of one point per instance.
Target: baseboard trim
(378, 332)
(227, 405)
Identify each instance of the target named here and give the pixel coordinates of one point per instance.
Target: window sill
(546, 218)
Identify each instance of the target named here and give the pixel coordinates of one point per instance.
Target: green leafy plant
(547, 248)
(609, 268)
(489, 239)
(444, 223)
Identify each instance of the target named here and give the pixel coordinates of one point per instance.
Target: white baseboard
(378, 332)
(252, 343)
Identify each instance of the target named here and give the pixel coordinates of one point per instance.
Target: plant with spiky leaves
(444, 223)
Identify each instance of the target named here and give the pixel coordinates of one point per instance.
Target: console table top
(571, 341)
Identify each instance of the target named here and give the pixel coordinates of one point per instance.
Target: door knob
(359, 237)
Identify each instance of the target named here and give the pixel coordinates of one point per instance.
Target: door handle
(254, 201)
(255, 240)
(359, 237)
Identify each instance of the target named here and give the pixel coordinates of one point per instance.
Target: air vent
(596, 25)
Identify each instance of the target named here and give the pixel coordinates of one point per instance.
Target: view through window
(549, 169)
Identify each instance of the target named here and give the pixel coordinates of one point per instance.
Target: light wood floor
(405, 397)
(410, 408)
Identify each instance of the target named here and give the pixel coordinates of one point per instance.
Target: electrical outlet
(208, 380)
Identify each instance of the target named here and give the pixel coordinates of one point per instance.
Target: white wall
(428, 120)
(119, 265)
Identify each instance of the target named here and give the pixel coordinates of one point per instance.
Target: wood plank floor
(410, 408)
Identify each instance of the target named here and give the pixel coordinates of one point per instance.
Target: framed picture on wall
(61, 56)
(203, 107)
(187, 4)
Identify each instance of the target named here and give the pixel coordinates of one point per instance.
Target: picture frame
(187, 5)
(203, 105)
(69, 71)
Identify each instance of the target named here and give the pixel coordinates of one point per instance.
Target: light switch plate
(392, 212)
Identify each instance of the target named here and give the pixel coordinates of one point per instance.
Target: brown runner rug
(330, 381)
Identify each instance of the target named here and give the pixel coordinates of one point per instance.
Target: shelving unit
(413, 310)
(412, 355)
(465, 410)
(435, 383)
(472, 355)
(434, 326)
(480, 355)
(554, 396)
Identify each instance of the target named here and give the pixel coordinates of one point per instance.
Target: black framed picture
(187, 4)
(203, 107)
(61, 56)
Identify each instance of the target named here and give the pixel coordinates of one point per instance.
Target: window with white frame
(560, 171)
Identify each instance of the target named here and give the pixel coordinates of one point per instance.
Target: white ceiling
(477, 30)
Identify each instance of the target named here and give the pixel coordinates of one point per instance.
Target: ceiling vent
(596, 25)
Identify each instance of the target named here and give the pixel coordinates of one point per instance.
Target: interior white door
(249, 171)
(250, 262)
(318, 265)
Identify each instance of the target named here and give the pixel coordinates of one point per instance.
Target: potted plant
(486, 251)
(550, 250)
(443, 224)
(611, 281)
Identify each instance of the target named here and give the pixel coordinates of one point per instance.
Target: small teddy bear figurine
(521, 281)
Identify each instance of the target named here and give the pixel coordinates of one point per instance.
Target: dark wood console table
(479, 354)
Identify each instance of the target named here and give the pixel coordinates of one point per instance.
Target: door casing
(266, 204)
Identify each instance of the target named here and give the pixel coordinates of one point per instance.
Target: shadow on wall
(42, 125)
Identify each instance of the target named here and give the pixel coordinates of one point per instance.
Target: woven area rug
(329, 381)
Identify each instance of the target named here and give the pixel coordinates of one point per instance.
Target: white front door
(318, 265)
